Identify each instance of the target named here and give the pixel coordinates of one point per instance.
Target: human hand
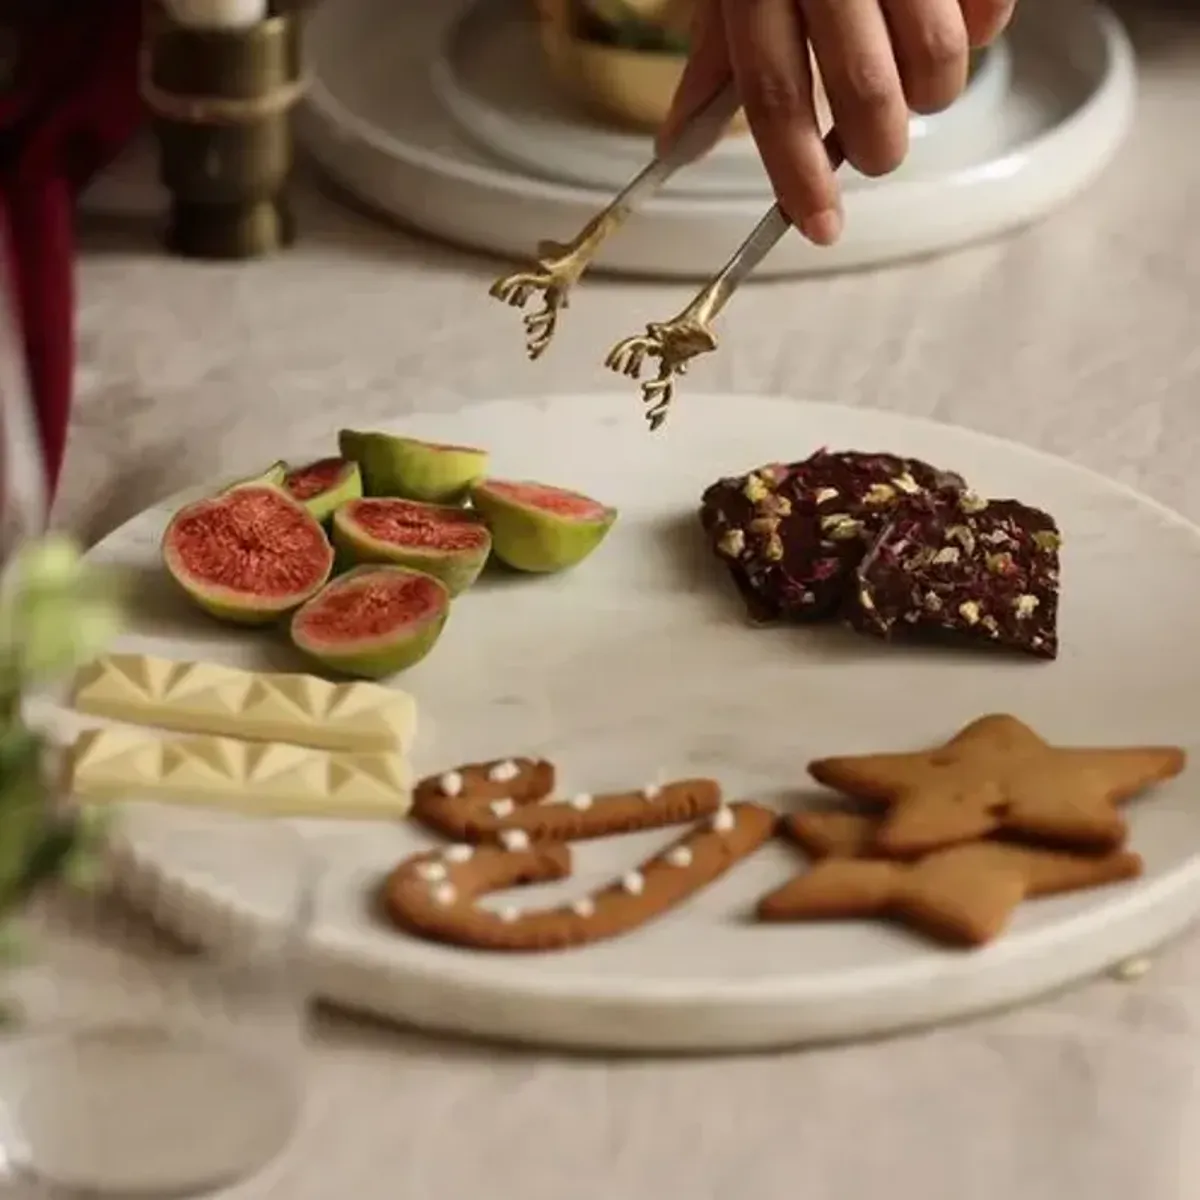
(878, 60)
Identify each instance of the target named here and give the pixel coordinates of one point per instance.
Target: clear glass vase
(135, 1068)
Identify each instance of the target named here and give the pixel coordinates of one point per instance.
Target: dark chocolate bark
(983, 570)
(792, 534)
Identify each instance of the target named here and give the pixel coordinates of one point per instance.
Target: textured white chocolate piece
(197, 697)
(257, 778)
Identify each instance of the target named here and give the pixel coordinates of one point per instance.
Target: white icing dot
(679, 856)
(651, 791)
(514, 840)
(459, 853)
(451, 784)
(503, 772)
(445, 894)
(502, 808)
(634, 883)
(723, 820)
(581, 803)
(584, 907)
(509, 915)
(431, 871)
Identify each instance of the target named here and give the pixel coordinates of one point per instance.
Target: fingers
(986, 19)
(708, 69)
(878, 59)
(932, 50)
(767, 42)
(858, 68)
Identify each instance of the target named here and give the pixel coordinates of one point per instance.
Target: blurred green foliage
(57, 612)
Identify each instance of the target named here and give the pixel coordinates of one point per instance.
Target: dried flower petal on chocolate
(828, 509)
(966, 588)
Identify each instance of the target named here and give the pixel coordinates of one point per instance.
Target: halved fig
(324, 485)
(248, 555)
(373, 621)
(539, 528)
(411, 469)
(449, 543)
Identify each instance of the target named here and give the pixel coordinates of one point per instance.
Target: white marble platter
(639, 664)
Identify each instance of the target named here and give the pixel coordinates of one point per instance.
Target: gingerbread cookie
(433, 895)
(954, 564)
(791, 534)
(507, 800)
(832, 833)
(962, 896)
(446, 801)
(998, 775)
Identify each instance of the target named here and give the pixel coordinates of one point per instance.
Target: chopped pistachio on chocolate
(981, 570)
(791, 534)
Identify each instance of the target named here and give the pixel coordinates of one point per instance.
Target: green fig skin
(229, 605)
(384, 656)
(273, 476)
(410, 469)
(537, 540)
(457, 569)
(325, 503)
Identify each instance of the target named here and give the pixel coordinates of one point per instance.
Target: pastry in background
(619, 60)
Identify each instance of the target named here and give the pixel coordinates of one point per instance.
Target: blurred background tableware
(450, 118)
(165, 1072)
(221, 96)
(620, 60)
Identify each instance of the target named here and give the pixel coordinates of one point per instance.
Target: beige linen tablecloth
(1081, 336)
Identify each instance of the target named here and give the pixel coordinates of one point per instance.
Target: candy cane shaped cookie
(433, 894)
(470, 804)
(480, 794)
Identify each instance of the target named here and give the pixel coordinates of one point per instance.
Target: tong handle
(702, 129)
(762, 240)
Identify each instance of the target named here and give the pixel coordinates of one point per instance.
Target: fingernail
(824, 228)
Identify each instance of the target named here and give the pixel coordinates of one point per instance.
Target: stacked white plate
(444, 116)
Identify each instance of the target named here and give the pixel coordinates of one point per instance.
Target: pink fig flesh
(373, 621)
(446, 542)
(558, 502)
(305, 482)
(539, 528)
(248, 554)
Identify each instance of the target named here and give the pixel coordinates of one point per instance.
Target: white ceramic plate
(377, 121)
(639, 664)
(492, 78)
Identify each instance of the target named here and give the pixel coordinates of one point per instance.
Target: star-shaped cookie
(998, 775)
(963, 896)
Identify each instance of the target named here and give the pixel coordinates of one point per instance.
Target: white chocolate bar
(196, 697)
(256, 778)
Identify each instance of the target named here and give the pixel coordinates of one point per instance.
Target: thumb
(708, 70)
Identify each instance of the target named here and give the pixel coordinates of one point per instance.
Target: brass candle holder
(221, 102)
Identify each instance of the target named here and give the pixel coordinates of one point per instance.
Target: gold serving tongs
(558, 266)
(688, 334)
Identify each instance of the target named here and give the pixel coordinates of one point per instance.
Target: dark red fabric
(73, 105)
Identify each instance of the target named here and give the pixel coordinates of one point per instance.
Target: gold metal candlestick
(221, 100)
